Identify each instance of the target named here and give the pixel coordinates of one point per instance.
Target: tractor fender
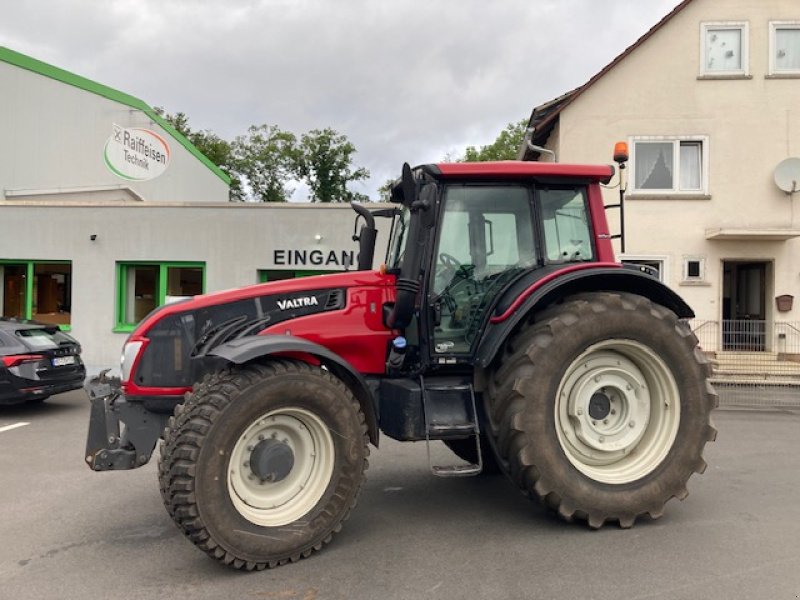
(246, 349)
(544, 291)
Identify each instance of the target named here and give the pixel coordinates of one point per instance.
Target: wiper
(215, 333)
(253, 326)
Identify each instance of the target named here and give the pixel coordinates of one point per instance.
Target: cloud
(404, 80)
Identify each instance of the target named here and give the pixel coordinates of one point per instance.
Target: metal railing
(756, 362)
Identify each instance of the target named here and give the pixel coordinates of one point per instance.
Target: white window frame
(773, 27)
(676, 140)
(685, 277)
(705, 29)
(663, 272)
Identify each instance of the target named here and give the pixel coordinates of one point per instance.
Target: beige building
(709, 103)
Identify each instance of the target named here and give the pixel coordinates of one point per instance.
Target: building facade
(66, 138)
(107, 212)
(709, 103)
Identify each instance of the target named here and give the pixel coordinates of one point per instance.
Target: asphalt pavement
(66, 532)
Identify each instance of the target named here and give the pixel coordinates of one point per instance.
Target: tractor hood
(172, 336)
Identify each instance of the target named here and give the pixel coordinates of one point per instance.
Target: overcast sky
(404, 80)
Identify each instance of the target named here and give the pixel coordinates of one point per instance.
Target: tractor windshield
(397, 244)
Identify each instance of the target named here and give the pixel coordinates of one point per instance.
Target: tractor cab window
(565, 219)
(397, 244)
(486, 238)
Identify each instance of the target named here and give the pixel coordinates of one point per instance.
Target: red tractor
(501, 324)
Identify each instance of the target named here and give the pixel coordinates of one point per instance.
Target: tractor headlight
(129, 353)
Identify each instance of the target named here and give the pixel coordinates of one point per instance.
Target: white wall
(53, 140)
(235, 240)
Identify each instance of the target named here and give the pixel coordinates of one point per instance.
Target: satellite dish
(787, 175)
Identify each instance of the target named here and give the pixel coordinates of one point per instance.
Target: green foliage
(212, 146)
(266, 158)
(505, 147)
(385, 191)
(262, 163)
(324, 160)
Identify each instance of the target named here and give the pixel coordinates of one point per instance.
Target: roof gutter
(527, 144)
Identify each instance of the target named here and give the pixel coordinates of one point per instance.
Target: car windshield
(44, 339)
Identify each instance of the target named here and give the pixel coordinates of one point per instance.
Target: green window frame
(30, 297)
(154, 292)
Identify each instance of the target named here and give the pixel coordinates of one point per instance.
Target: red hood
(334, 280)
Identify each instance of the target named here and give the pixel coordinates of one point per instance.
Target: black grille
(177, 339)
(335, 300)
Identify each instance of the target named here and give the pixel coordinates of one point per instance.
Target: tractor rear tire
(264, 462)
(600, 408)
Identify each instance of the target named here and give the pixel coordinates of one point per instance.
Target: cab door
(486, 237)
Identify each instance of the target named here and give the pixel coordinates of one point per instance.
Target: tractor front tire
(601, 406)
(264, 462)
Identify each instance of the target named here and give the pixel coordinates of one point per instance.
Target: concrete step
(760, 381)
(729, 355)
(759, 368)
(754, 368)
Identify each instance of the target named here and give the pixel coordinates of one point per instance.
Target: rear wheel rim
(617, 411)
(294, 494)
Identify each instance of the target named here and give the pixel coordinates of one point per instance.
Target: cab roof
(519, 169)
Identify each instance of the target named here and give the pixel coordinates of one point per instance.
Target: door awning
(752, 235)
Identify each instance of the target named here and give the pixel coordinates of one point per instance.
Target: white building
(107, 212)
(709, 103)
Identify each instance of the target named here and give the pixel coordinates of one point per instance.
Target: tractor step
(450, 413)
(465, 470)
(456, 431)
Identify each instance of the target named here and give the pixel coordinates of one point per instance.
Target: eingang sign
(136, 154)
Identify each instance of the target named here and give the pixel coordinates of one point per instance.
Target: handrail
(695, 330)
(787, 324)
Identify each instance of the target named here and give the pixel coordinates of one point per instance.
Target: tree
(385, 191)
(262, 163)
(267, 159)
(324, 160)
(220, 152)
(505, 147)
(213, 147)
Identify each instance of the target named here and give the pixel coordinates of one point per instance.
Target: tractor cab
(469, 238)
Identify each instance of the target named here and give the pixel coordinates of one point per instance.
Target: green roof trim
(47, 70)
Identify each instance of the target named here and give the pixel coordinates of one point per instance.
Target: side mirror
(365, 238)
(409, 185)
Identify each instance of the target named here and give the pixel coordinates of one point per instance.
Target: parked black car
(36, 361)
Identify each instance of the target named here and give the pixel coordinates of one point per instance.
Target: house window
(694, 269)
(39, 290)
(784, 51)
(144, 286)
(652, 265)
(669, 165)
(724, 49)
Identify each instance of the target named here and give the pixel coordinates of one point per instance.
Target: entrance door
(14, 291)
(744, 306)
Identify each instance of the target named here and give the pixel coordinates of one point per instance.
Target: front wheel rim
(297, 489)
(617, 411)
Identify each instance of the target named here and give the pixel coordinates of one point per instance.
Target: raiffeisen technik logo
(136, 154)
